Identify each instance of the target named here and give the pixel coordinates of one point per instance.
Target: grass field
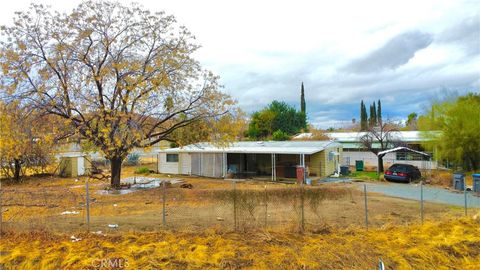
(439, 245)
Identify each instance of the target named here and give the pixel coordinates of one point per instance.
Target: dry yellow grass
(445, 245)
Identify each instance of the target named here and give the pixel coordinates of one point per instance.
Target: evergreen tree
(379, 112)
(303, 108)
(374, 110)
(363, 117)
(371, 119)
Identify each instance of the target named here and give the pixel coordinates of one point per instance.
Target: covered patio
(270, 160)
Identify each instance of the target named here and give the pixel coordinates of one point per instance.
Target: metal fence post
(1, 210)
(366, 207)
(302, 208)
(87, 204)
(235, 205)
(421, 201)
(266, 207)
(465, 196)
(164, 202)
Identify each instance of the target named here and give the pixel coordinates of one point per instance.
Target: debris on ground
(113, 226)
(220, 219)
(74, 239)
(70, 213)
(186, 185)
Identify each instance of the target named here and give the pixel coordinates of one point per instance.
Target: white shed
(72, 164)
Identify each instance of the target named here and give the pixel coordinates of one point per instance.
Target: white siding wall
(370, 159)
(81, 166)
(166, 167)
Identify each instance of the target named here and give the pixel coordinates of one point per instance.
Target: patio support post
(225, 168)
(274, 167)
(271, 155)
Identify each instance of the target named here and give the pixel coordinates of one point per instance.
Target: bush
(280, 136)
(133, 159)
(142, 170)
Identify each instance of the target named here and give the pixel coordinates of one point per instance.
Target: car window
(398, 168)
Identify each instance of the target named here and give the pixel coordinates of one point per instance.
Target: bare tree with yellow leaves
(26, 140)
(121, 76)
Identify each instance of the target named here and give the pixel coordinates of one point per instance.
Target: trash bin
(344, 170)
(359, 165)
(476, 182)
(459, 181)
(300, 174)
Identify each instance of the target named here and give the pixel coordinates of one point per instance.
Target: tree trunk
(116, 167)
(380, 165)
(17, 170)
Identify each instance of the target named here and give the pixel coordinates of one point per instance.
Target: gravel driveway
(430, 194)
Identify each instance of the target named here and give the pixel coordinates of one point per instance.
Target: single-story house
(353, 150)
(263, 159)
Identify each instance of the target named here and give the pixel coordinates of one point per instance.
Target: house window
(172, 157)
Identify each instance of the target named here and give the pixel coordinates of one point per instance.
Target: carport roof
(260, 147)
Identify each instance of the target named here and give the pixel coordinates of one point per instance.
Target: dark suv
(402, 172)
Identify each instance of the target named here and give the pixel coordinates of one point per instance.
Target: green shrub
(142, 170)
(280, 136)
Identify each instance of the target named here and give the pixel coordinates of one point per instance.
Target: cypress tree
(379, 113)
(363, 117)
(371, 122)
(302, 101)
(303, 106)
(374, 110)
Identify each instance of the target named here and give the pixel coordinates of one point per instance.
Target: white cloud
(263, 50)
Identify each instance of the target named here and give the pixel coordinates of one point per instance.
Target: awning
(397, 149)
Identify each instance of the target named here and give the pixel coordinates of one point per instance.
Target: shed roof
(259, 147)
(70, 154)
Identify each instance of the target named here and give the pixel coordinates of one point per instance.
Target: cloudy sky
(405, 53)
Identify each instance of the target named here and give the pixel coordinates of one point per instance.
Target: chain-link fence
(229, 206)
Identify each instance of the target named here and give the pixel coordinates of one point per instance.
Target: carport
(426, 160)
